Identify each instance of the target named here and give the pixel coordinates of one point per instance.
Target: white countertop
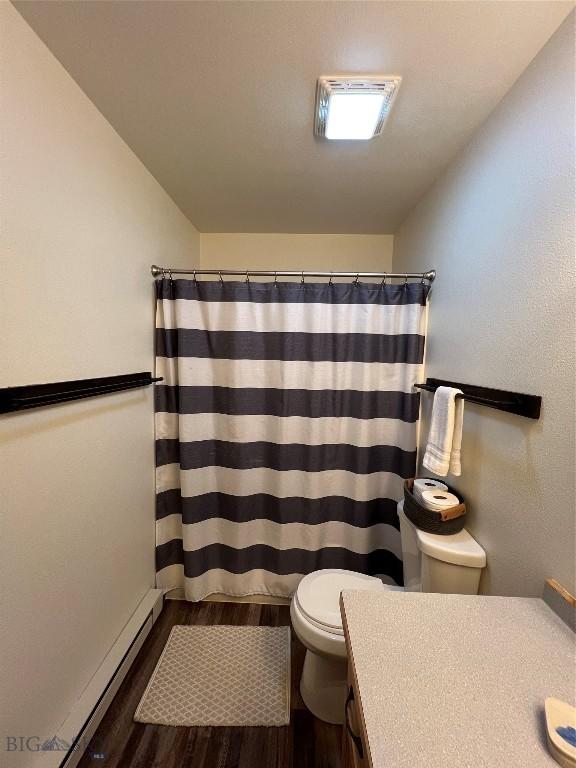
(455, 681)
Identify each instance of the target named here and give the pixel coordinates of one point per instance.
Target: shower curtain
(285, 425)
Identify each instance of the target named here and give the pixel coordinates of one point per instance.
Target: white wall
(82, 220)
(364, 253)
(499, 228)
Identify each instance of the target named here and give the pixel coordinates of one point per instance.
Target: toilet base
(323, 686)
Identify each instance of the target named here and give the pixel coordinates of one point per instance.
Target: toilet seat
(316, 620)
(318, 595)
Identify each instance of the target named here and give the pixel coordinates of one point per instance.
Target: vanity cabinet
(423, 669)
(353, 742)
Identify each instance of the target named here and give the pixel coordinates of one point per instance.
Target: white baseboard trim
(91, 707)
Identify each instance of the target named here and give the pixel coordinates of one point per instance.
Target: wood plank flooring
(121, 743)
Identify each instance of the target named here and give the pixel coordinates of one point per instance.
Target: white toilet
(432, 563)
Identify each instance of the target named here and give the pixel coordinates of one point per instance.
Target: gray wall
(499, 227)
(82, 220)
(326, 253)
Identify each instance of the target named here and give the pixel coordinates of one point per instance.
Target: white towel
(445, 436)
(455, 465)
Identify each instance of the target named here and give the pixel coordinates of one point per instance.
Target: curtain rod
(430, 275)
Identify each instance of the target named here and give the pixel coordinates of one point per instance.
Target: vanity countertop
(456, 681)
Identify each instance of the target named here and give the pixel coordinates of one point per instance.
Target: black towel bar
(39, 395)
(500, 399)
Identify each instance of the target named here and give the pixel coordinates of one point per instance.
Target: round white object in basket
(422, 484)
(438, 500)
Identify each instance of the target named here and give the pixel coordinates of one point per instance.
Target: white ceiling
(217, 98)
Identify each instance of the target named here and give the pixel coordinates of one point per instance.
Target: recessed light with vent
(354, 108)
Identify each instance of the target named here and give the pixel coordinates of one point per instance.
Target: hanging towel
(455, 466)
(445, 436)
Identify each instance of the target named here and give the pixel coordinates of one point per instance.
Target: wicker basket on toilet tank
(444, 523)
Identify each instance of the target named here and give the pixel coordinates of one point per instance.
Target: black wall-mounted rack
(38, 395)
(502, 400)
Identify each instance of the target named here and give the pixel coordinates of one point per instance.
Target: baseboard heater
(74, 735)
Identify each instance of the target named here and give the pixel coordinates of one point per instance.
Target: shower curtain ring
(247, 278)
(405, 279)
(194, 276)
(302, 281)
(383, 283)
(356, 278)
(275, 278)
(331, 278)
(220, 273)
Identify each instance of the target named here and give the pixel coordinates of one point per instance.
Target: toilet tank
(411, 558)
(432, 563)
(438, 576)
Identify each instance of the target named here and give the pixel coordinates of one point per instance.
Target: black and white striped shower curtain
(285, 425)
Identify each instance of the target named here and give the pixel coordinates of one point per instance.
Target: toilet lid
(318, 594)
(457, 548)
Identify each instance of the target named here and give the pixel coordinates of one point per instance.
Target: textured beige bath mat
(220, 675)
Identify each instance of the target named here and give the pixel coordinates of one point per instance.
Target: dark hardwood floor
(121, 743)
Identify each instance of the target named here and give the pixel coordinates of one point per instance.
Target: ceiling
(217, 98)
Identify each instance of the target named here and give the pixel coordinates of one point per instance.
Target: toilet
(432, 563)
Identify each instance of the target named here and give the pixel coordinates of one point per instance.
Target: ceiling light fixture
(354, 108)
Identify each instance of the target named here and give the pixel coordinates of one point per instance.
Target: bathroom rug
(220, 675)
